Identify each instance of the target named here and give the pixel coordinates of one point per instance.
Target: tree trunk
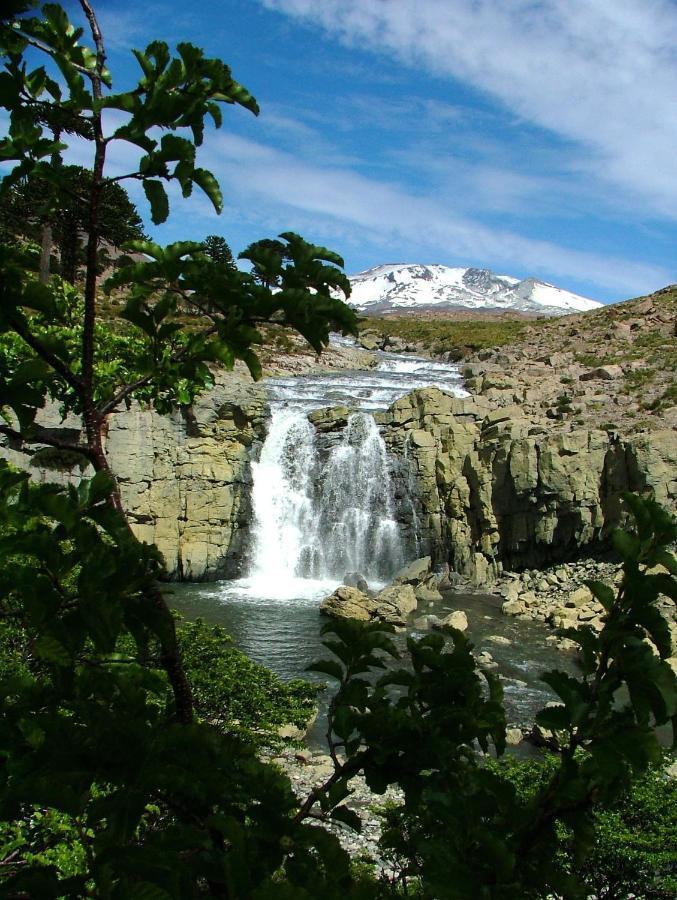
(45, 252)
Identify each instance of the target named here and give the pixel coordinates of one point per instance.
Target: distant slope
(405, 289)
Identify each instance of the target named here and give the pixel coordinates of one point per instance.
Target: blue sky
(532, 138)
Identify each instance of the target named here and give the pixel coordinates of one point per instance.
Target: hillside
(614, 366)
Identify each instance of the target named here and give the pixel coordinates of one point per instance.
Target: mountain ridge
(408, 288)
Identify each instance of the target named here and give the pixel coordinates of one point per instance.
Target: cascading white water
(319, 515)
(283, 497)
(323, 505)
(357, 529)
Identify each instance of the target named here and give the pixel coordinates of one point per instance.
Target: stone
(394, 603)
(586, 614)
(334, 418)
(602, 373)
(528, 598)
(456, 619)
(427, 594)
(564, 616)
(486, 661)
(511, 590)
(513, 736)
(580, 597)
(368, 342)
(513, 608)
(348, 603)
(421, 438)
(355, 579)
(414, 573)
(499, 639)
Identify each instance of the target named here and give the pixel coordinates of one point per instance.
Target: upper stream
(324, 506)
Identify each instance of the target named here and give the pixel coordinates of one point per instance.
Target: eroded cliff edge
(497, 490)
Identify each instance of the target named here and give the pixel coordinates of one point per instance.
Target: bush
(634, 848)
(237, 694)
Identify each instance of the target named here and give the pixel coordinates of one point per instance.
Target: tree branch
(124, 392)
(93, 225)
(59, 366)
(42, 436)
(128, 389)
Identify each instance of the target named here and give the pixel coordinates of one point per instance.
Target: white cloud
(385, 216)
(602, 73)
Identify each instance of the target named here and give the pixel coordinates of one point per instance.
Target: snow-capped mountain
(414, 288)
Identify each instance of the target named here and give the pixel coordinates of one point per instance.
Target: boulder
(513, 736)
(513, 608)
(348, 603)
(356, 580)
(456, 619)
(416, 572)
(393, 604)
(369, 342)
(602, 373)
(528, 598)
(511, 590)
(427, 593)
(580, 597)
(486, 661)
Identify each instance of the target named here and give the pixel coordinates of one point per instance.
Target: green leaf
(603, 593)
(326, 667)
(348, 817)
(52, 650)
(144, 890)
(627, 545)
(554, 718)
(204, 179)
(159, 202)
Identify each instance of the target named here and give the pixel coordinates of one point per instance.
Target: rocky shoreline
(307, 769)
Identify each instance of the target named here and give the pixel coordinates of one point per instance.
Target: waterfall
(321, 512)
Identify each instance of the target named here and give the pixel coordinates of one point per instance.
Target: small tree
(218, 250)
(62, 205)
(63, 351)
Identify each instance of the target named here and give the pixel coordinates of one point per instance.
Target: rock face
(496, 490)
(185, 478)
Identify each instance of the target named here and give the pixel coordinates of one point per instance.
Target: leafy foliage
(633, 848)
(154, 359)
(236, 694)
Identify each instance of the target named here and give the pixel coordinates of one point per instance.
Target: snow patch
(407, 286)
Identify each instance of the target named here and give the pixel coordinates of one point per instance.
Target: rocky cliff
(495, 490)
(184, 478)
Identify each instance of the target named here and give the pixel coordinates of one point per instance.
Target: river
(323, 508)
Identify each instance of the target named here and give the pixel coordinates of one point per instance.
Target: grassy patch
(450, 336)
(638, 379)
